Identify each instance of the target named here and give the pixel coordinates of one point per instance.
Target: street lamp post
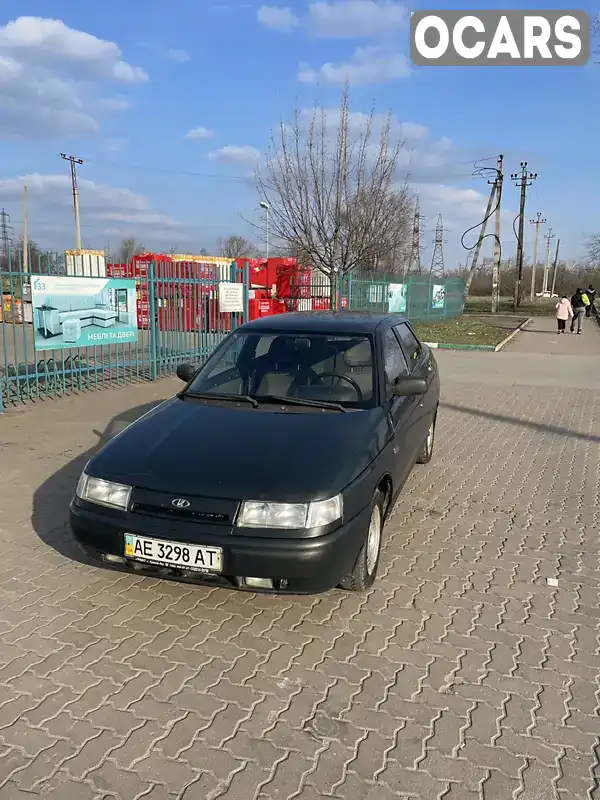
(267, 208)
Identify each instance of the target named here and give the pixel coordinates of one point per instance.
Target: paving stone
(461, 674)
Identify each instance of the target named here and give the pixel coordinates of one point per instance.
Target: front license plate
(174, 554)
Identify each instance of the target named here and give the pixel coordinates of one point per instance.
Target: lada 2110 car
(276, 466)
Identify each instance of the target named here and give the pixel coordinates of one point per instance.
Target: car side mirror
(185, 372)
(409, 387)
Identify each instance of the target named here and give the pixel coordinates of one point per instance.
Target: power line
(248, 178)
(495, 191)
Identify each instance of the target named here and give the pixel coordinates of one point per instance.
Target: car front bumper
(307, 565)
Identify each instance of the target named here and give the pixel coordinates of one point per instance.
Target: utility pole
(537, 222)
(488, 213)
(525, 179)
(74, 161)
(25, 230)
(549, 236)
(555, 265)
(497, 246)
(437, 261)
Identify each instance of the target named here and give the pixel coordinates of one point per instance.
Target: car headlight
(254, 514)
(105, 493)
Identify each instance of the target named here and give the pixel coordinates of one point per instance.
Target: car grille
(211, 511)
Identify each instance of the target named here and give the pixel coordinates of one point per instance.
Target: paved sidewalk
(541, 337)
(464, 674)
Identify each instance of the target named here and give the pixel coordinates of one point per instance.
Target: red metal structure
(277, 285)
(186, 289)
(138, 269)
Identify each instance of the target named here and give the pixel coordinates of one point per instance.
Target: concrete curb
(438, 346)
(510, 335)
(489, 347)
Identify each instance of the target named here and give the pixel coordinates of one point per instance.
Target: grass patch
(541, 306)
(470, 329)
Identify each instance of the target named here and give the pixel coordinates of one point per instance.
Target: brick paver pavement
(540, 336)
(465, 673)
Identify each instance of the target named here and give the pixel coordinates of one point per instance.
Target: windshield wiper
(300, 401)
(215, 396)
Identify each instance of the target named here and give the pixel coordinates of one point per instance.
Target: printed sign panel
(231, 297)
(83, 312)
(397, 298)
(438, 297)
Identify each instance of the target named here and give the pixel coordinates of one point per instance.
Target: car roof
(322, 322)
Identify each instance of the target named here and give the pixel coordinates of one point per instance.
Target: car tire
(364, 572)
(426, 453)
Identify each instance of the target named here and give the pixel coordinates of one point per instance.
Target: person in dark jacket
(591, 309)
(578, 305)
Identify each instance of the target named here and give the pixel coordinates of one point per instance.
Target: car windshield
(317, 367)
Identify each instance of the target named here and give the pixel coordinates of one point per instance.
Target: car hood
(224, 451)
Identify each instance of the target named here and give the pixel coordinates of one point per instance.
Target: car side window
(262, 348)
(395, 365)
(410, 344)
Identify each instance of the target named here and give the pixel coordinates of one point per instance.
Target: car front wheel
(364, 573)
(426, 453)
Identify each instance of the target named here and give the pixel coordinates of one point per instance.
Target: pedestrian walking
(578, 305)
(591, 311)
(564, 311)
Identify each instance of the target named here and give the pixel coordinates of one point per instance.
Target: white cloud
(49, 40)
(423, 156)
(277, 18)
(355, 18)
(114, 145)
(177, 55)
(50, 204)
(140, 219)
(114, 104)
(377, 20)
(50, 76)
(338, 19)
(409, 132)
(369, 65)
(199, 133)
(236, 154)
(460, 207)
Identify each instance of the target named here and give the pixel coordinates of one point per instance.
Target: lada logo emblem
(179, 502)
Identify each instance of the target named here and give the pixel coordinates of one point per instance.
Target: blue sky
(120, 84)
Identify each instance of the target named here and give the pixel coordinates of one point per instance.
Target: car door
(420, 365)
(401, 410)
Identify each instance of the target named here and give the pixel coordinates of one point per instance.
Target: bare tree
(333, 195)
(395, 262)
(593, 248)
(129, 248)
(237, 247)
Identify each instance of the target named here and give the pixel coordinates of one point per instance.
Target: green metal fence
(181, 321)
(420, 298)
